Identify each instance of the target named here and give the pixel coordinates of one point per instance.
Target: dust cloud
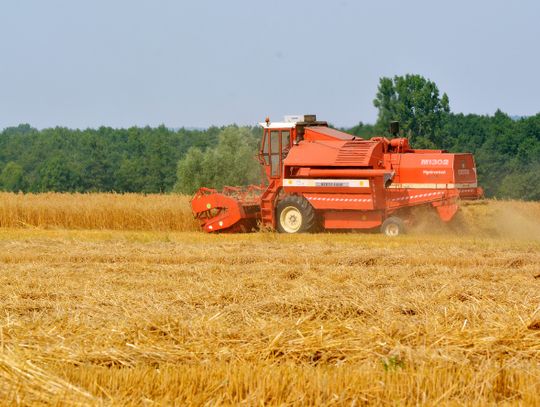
(489, 218)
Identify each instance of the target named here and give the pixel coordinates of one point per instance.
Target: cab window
(285, 139)
(264, 148)
(275, 153)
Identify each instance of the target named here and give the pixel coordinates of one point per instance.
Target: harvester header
(320, 178)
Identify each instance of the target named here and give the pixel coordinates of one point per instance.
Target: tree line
(93, 160)
(158, 160)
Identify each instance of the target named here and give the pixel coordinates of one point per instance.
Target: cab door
(276, 144)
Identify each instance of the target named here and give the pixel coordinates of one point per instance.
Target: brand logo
(331, 184)
(434, 161)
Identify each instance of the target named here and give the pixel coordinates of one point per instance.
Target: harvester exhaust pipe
(394, 128)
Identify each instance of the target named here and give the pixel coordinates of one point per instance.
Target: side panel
(464, 169)
(340, 201)
(433, 170)
(352, 219)
(398, 198)
(419, 168)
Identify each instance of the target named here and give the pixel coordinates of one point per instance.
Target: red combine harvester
(319, 177)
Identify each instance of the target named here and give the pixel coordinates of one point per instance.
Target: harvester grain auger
(322, 178)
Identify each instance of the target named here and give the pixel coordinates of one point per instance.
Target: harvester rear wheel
(295, 215)
(393, 226)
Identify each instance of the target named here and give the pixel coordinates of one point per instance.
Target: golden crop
(446, 315)
(96, 211)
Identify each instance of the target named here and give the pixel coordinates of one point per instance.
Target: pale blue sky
(86, 63)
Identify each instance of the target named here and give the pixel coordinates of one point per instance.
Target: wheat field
(447, 315)
(96, 211)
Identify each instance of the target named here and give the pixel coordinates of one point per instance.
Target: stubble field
(164, 316)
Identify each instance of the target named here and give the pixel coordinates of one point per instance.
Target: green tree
(362, 130)
(522, 185)
(58, 176)
(234, 158)
(191, 172)
(130, 176)
(231, 162)
(96, 165)
(416, 103)
(12, 177)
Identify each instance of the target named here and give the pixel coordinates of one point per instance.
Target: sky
(122, 63)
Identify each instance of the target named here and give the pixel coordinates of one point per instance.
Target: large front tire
(295, 215)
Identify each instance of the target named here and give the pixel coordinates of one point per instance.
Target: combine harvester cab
(322, 178)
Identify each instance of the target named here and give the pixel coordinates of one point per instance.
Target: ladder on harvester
(267, 204)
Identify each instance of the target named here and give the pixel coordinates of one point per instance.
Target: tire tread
(309, 218)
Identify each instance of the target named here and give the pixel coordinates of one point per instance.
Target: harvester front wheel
(393, 226)
(295, 215)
